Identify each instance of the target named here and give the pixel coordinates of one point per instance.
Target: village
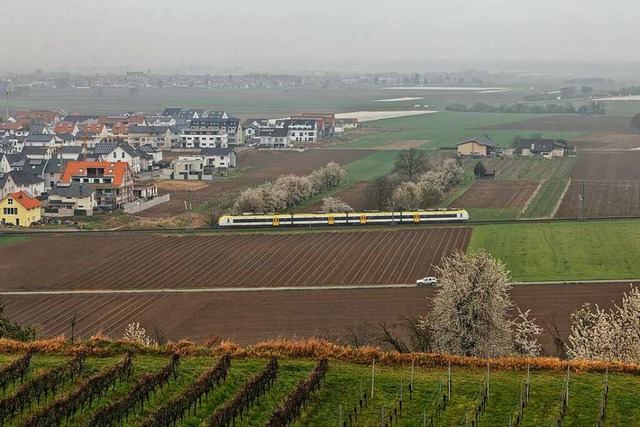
(55, 165)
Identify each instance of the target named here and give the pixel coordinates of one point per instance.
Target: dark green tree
(12, 330)
(412, 162)
(479, 169)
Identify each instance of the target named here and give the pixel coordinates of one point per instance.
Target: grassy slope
(10, 240)
(564, 250)
(343, 383)
(446, 129)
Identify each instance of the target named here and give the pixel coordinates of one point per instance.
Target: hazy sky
(259, 35)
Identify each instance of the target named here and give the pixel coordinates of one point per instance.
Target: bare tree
(380, 192)
(412, 162)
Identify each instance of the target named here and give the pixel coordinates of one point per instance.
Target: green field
(342, 388)
(445, 129)
(588, 250)
(10, 240)
(544, 203)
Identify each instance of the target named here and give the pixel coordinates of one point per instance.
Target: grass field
(10, 240)
(490, 214)
(587, 250)
(445, 129)
(346, 382)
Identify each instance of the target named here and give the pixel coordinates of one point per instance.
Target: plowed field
(604, 165)
(607, 181)
(601, 199)
(496, 194)
(228, 260)
(607, 141)
(248, 317)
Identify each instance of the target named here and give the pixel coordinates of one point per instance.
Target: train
(249, 220)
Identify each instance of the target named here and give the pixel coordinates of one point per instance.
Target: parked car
(425, 281)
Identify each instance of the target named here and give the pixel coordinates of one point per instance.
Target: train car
(342, 218)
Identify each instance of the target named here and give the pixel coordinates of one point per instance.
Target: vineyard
(496, 194)
(229, 260)
(127, 389)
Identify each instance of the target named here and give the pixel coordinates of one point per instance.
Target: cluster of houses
(483, 146)
(72, 164)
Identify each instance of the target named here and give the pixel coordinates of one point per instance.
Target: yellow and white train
(343, 218)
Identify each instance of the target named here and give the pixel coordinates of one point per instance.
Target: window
(9, 201)
(123, 154)
(114, 154)
(10, 211)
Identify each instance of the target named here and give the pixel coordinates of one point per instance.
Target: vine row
(244, 399)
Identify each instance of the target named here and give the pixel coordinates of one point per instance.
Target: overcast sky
(259, 35)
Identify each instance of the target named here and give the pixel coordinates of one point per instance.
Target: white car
(429, 280)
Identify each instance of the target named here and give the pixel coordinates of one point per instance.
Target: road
(162, 291)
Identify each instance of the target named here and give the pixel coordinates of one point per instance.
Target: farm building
(548, 148)
(20, 208)
(481, 146)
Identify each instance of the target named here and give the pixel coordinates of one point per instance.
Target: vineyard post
(488, 373)
(449, 382)
(373, 375)
(412, 361)
(528, 381)
(340, 414)
(382, 419)
(401, 389)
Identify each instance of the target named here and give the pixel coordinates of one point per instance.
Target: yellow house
(479, 146)
(20, 209)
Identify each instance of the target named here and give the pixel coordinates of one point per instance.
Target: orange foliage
(313, 348)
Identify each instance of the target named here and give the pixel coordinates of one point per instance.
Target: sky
(290, 35)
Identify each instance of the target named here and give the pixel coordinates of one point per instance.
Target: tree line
(592, 108)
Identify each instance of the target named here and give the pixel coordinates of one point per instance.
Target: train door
(331, 220)
(276, 221)
(363, 219)
(416, 217)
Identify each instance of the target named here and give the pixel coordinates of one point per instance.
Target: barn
(481, 146)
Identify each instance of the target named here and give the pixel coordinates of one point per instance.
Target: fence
(139, 205)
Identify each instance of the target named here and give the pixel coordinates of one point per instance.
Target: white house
(219, 158)
(118, 152)
(303, 130)
(274, 137)
(205, 133)
(40, 140)
(158, 136)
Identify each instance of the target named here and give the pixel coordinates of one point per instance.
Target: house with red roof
(66, 127)
(112, 181)
(20, 209)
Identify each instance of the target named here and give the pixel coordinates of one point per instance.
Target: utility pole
(189, 210)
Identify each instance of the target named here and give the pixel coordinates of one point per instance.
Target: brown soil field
(607, 141)
(496, 194)
(403, 144)
(570, 123)
(603, 165)
(249, 317)
(257, 166)
(355, 196)
(601, 199)
(228, 260)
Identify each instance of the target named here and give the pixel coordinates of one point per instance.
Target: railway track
(219, 230)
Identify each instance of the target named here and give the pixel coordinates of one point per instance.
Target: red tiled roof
(10, 126)
(119, 128)
(93, 128)
(136, 120)
(64, 127)
(117, 170)
(25, 200)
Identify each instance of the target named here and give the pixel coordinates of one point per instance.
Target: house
(112, 181)
(191, 168)
(70, 199)
(39, 129)
(206, 133)
(481, 146)
(158, 136)
(40, 140)
(326, 123)
(66, 127)
(274, 137)
(303, 130)
(91, 134)
(7, 184)
(120, 130)
(20, 208)
(35, 167)
(161, 121)
(37, 152)
(118, 152)
(219, 158)
(70, 152)
(53, 172)
(9, 162)
(155, 153)
(45, 116)
(65, 139)
(80, 119)
(27, 182)
(548, 148)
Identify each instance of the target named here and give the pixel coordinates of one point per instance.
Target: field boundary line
(560, 199)
(533, 196)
